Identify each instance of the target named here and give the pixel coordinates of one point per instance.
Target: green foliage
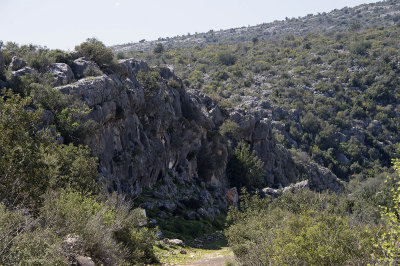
(230, 129)
(158, 49)
(39, 60)
(150, 82)
(73, 168)
(359, 47)
(111, 232)
(22, 171)
(70, 113)
(245, 168)
(337, 84)
(96, 51)
(23, 242)
(226, 58)
(120, 55)
(31, 161)
(389, 240)
(314, 231)
(59, 56)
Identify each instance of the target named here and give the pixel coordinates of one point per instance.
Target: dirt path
(217, 258)
(191, 256)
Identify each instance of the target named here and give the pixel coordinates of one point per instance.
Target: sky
(63, 24)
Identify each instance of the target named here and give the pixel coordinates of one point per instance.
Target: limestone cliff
(162, 141)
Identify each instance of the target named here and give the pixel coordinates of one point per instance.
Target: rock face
(162, 142)
(154, 140)
(232, 196)
(62, 73)
(279, 165)
(17, 63)
(83, 68)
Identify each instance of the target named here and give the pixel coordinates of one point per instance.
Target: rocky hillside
(365, 16)
(156, 139)
(159, 139)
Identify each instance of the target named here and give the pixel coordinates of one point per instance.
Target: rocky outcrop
(62, 73)
(17, 63)
(280, 167)
(161, 142)
(84, 68)
(154, 139)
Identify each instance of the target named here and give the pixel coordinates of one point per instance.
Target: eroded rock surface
(162, 143)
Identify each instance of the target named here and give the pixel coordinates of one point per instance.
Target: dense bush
(301, 228)
(31, 161)
(111, 232)
(96, 51)
(230, 128)
(390, 239)
(244, 168)
(158, 49)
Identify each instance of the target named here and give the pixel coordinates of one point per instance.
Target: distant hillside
(361, 17)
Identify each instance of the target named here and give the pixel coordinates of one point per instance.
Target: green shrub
(149, 81)
(39, 60)
(158, 49)
(245, 168)
(70, 113)
(226, 58)
(111, 232)
(230, 129)
(96, 51)
(59, 56)
(22, 172)
(306, 233)
(24, 242)
(31, 161)
(389, 241)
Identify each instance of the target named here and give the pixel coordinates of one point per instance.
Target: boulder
(301, 184)
(83, 68)
(203, 213)
(269, 191)
(232, 196)
(17, 63)
(62, 74)
(22, 72)
(173, 242)
(84, 261)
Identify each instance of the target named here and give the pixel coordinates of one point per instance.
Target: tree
(30, 159)
(159, 48)
(96, 51)
(20, 151)
(226, 58)
(245, 168)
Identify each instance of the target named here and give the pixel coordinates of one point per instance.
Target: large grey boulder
(22, 72)
(62, 74)
(84, 261)
(83, 68)
(17, 63)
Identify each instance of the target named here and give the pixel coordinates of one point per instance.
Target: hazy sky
(65, 23)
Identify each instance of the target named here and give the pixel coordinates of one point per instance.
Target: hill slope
(361, 17)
